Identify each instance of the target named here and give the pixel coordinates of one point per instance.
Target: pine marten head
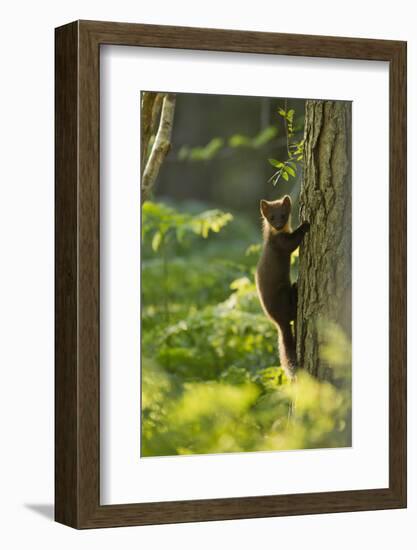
(277, 214)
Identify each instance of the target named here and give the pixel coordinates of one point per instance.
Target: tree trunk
(157, 112)
(325, 268)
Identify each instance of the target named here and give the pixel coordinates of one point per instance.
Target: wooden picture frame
(77, 374)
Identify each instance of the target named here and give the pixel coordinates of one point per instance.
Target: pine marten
(278, 297)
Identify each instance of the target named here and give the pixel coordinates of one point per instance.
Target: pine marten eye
(271, 218)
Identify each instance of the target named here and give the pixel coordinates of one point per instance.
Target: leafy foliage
(211, 380)
(261, 139)
(218, 144)
(163, 222)
(206, 152)
(295, 150)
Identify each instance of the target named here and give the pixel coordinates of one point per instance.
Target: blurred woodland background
(220, 151)
(211, 379)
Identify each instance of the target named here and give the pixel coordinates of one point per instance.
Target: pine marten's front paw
(306, 227)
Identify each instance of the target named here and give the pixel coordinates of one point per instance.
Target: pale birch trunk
(157, 112)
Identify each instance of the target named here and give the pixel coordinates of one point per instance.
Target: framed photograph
(230, 274)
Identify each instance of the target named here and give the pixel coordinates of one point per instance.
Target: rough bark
(325, 269)
(152, 105)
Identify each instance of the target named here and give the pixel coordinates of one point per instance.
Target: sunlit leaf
(238, 140)
(265, 136)
(253, 249)
(276, 163)
(290, 171)
(156, 241)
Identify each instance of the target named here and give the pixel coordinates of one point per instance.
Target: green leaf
(253, 249)
(238, 140)
(290, 171)
(264, 136)
(207, 152)
(156, 241)
(241, 283)
(285, 176)
(276, 163)
(290, 115)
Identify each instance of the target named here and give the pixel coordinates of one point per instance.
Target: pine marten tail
(286, 347)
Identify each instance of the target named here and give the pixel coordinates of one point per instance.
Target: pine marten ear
(286, 201)
(264, 207)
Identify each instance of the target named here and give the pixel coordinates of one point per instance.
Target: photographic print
(246, 275)
(212, 278)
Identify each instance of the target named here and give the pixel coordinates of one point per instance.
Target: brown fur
(278, 297)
